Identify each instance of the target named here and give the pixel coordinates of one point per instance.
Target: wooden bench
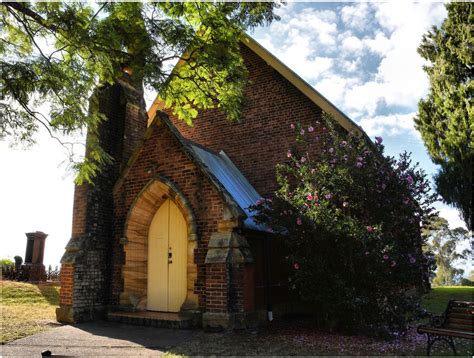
(456, 322)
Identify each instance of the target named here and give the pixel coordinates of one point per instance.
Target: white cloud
(452, 216)
(351, 43)
(378, 44)
(399, 79)
(356, 16)
(319, 26)
(334, 87)
(389, 125)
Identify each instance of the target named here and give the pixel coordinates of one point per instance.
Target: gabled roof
(223, 173)
(230, 177)
(303, 86)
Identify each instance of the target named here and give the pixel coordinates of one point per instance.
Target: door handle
(170, 256)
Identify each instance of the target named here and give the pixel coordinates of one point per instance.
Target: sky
(361, 56)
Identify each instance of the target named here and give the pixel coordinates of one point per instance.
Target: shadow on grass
(50, 291)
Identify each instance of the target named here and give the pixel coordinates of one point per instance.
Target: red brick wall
(163, 155)
(217, 288)
(67, 284)
(261, 139)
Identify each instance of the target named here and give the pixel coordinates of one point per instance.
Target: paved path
(97, 339)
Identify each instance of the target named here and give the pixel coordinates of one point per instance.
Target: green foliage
(350, 219)
(6, 262)
(445, 115)
(58, 53)
(443, 242)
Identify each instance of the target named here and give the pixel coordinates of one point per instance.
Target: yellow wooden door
(167, 259)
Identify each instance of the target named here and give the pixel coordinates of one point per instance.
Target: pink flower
(370, 228)
(343, 143)
(303, 159)
(378, 140)
(313, 171)
(309, 196)
(302, 131)
(292, 126)
(409, 179)
(359, 165)
(393, 264)
(383, 186)
(296, 266)
(366, 253)
(259, 201)
(298, 221)
(406, 201)
(289, 154)
(385, 257)
(328, 196)
(331, 150)
(316, 198)
(310, 129)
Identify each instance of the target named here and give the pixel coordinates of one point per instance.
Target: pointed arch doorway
(167, 259)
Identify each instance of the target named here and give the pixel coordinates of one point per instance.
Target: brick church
(164, 236)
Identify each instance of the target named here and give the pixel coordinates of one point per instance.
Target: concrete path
(98, 339)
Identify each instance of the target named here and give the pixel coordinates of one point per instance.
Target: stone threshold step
(154, 319)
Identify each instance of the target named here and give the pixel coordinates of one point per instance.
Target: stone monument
(34, 255)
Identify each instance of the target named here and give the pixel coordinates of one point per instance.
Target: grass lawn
(26, 309)
(437, 300)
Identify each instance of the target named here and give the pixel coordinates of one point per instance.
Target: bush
(6, 262)
(13, 273)
(350, 220)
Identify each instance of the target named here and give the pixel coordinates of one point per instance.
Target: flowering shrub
(350, 219)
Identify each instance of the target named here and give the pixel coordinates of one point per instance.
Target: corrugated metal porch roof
(230, 177)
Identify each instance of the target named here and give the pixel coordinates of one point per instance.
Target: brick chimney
(35, 243)
(86, 266)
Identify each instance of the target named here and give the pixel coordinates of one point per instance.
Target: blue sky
(361, 56)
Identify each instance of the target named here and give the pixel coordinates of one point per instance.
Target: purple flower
(378, 140)
(328, 196)
(412, 260)
(359, 165)
(393, 264)
(310, 129)
(302, 131)
(406, 201)
(292, 126)
(303, 159)
(359, 159)
(383, 186)
(343, 143)
(370, 228)
(298, 221)
(409, 179)
(289, 154)
(331, 150)
(296, 266)
(259, 201)
(385, 257)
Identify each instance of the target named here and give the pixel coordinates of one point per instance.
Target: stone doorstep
(155, 319)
